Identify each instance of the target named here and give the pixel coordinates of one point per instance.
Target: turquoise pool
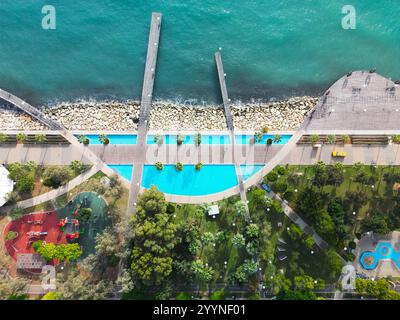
(114, 138)
(189, 182)
(245, 139)
(124, 170)
(249, 170)
(190, 139)
(384, 251)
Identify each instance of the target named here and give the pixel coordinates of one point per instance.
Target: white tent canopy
(6, 185)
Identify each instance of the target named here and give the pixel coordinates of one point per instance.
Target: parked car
(266, 187)
(339, 154)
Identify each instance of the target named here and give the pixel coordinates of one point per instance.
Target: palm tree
(83, 139)
(159, 166)
(258, 137)
(198, 166)
(3, 137)
(331, 138)
(277, 138)
(40, 138)
(179, 166)
(21, 137)
(197, 139)
(158, 139)
(179, 139)
(104, 139)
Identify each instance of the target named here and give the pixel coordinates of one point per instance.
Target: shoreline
(165, 115)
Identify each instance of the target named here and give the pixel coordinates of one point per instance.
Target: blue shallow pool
(190, 139)
(124, 170)
(245, 139)
(249, 170)
(384, 251)
(190, 182)
(114, 138)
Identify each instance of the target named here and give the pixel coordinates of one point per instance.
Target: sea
(271, 49)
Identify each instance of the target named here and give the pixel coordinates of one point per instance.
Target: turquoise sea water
(271, 48)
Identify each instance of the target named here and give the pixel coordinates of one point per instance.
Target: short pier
(145, 107)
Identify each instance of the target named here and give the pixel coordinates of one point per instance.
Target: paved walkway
(54, 193)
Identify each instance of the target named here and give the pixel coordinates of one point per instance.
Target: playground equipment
(70, 226)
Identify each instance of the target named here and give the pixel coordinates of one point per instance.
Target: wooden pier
(224, 91)
(145, 107)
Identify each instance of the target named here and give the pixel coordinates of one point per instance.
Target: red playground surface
(33, 227)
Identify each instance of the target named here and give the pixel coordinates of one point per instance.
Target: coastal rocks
(180, 117)
(282, 115)
(112, 116)
(124, 116)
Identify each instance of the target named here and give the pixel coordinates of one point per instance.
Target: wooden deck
(145, 107)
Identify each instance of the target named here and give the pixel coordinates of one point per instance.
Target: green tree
(201, 271)
(77, 167)
(56, 176)
(154, 238)
(197, 139)
(314, 138)
(331, 138)
(198, 166)
(179, 166)
(84, 214)
(104, 139)
(3, 138)
(238, 240)
(83, 139)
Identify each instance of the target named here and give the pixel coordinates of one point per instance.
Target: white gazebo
(6, 185)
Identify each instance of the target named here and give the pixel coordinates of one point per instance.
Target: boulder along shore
(124, 116)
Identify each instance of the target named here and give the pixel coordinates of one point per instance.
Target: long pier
(145, 108)
(224, 91)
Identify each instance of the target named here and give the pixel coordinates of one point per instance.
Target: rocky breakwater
(113, 116)
(281, 115)
(16, 120)
(166, 116)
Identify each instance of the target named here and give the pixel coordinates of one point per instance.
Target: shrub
(198, 166)
(56, 176)
(218, 295)
(21, 137)
(3, 137)
(277, 138)
(11, 235)
(16, 213)
(314, 138)
(281, 187)
(184, 296)
(40, 138)
(170, 208)
(281, 170)
(272, 176)
(77, 167)
(396, 138)
(352, 245)
(159, 166)
(13, 197)
(50, 296)
(264, 130)
(84, 214)
(331, 138)
(179, 166)
(289, 195)
(346, 139)
(25, 183)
